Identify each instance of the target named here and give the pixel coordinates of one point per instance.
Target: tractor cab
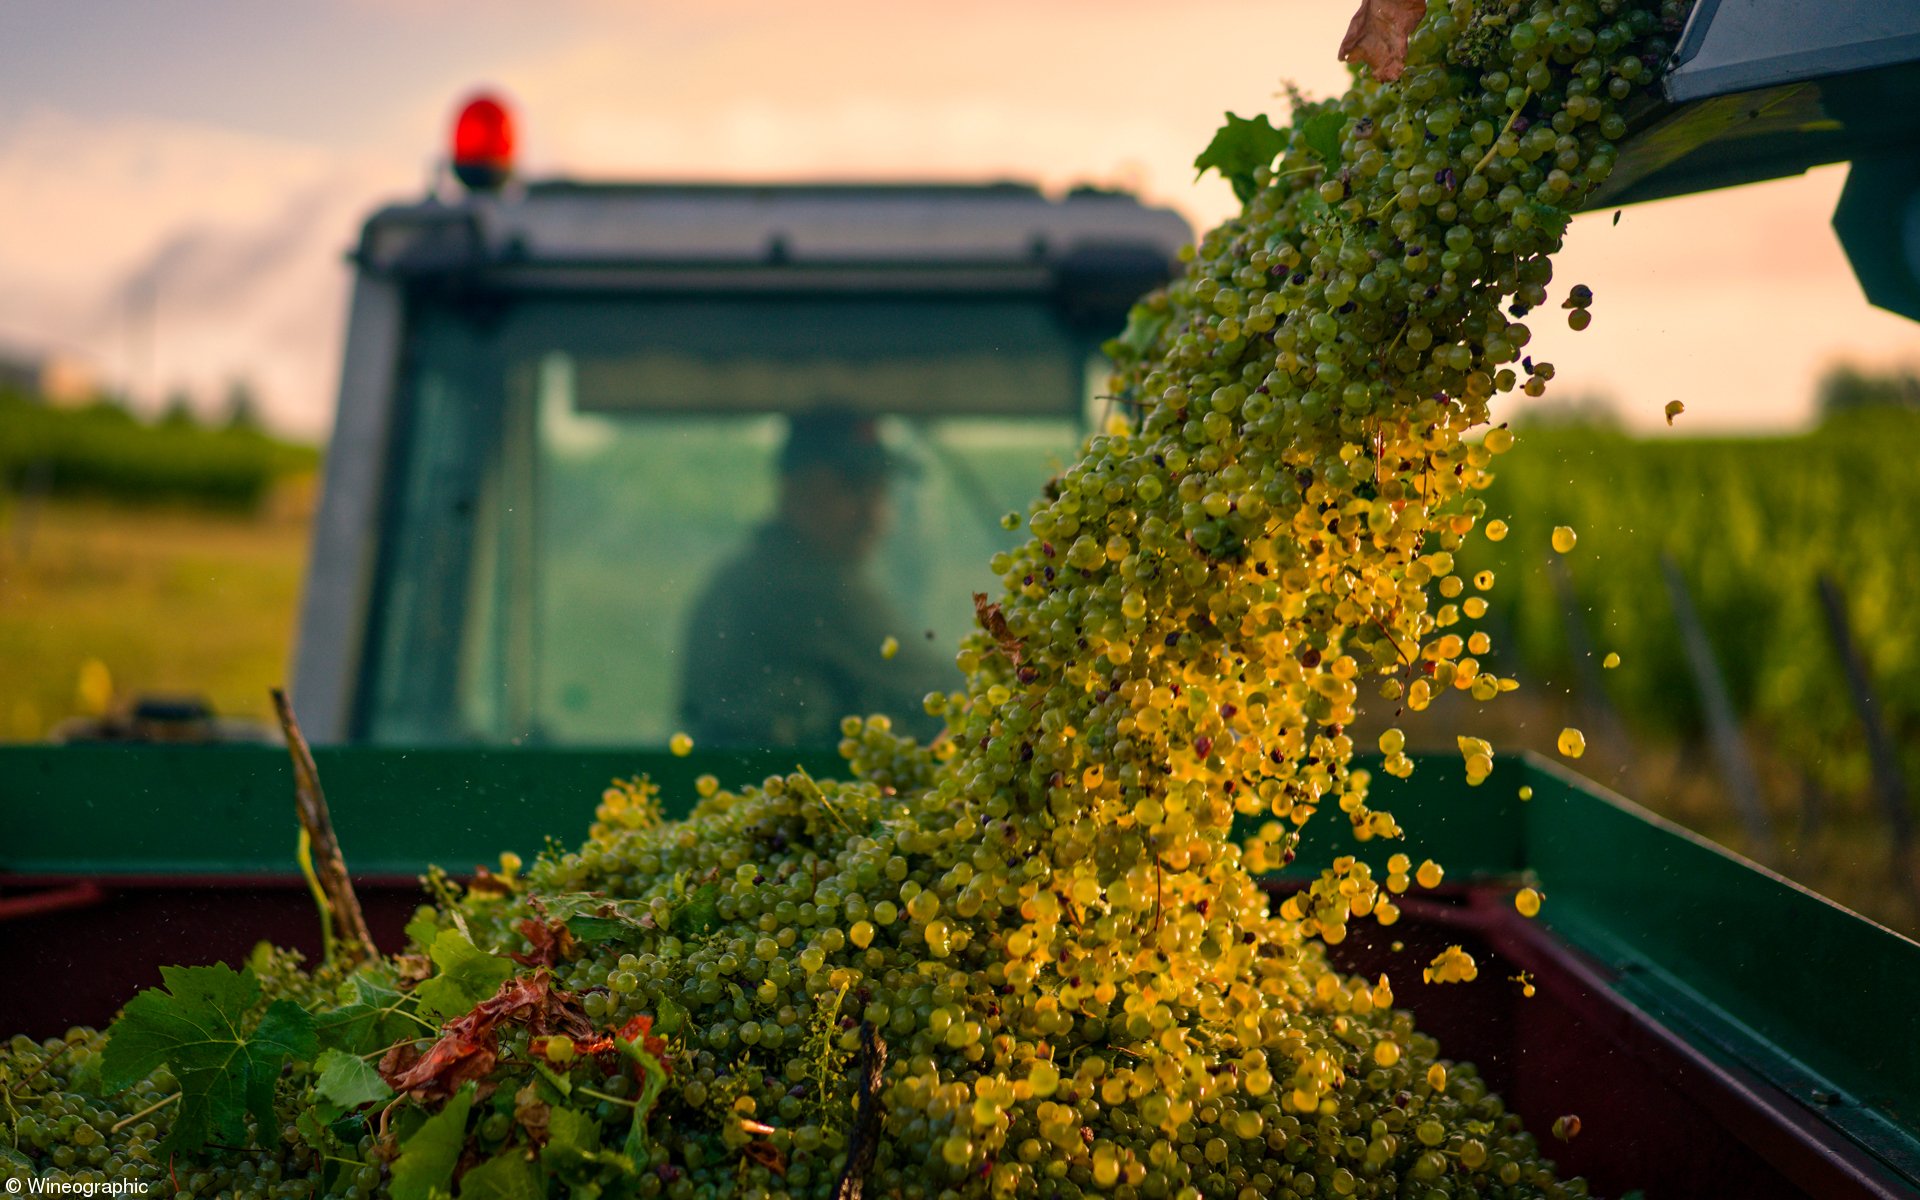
(571, 415)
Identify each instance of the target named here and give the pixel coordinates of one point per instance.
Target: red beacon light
(483, 144)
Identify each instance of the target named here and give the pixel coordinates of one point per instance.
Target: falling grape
(1048, 915)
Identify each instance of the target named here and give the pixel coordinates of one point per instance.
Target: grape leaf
(510, 1176)
(1312, 209)
(699, 914)
(194, 1025)
(671, 1015)
(1378, 35)
(549, 942)
(1144, 324)
(1322, 134)
(366, 1019)
(427, 1159)
(592, 930)
(1242, 146)
(349, 1080)
(994, 621)
(467, 975)
(573, 1139)
(643, 1051)
(423, 929)
(468, 1045)
(1551, 218)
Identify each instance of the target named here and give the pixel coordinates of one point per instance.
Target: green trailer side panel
(1474, 832)
(229, 809)
(1821, 1000)
(146, 810)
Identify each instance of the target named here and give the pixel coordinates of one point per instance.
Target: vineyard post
(342, 921)
(1729, 744)
(1889, 782)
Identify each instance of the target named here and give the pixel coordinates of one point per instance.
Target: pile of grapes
(1029, 959)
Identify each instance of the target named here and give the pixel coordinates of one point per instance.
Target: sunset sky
(217, 155)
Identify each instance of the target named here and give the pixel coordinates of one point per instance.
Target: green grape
(1046, 914)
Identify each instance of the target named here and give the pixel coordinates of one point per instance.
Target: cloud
(235, 238)
(1734, 301)
(1058, 93)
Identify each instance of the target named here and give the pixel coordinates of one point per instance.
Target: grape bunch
(1033, 958)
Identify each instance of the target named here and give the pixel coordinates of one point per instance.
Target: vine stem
(155, 1107)
(1504, 130)
(30, 1076)
(587, 1091)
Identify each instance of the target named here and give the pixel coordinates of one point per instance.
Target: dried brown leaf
(450, 1062)
(1378, 33)
(486, 883)
(767, 1155)
(469, 1045)
(551, 942)
(995, 623)
(531, 1113)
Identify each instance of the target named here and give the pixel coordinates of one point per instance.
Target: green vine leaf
(699, 914)
(510, 1176)
(349, 1080)
(1551, 218)
(1144, 323)
(653, 1081)
(427, 1159)
(368, 1018)
(1322, 133)
(196, 1026)
(1242, 146)
(573, 1141)
(467, 975)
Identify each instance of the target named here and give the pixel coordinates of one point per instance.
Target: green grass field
(174, 600)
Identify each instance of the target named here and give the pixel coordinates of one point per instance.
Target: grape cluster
(1046, 915)
(55, 1124)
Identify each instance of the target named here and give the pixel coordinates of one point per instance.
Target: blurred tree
(1848, 388)
(242, 406)
(178, 410)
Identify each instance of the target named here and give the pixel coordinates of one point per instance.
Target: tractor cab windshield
(744, 517)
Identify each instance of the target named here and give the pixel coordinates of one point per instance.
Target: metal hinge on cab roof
(423, 240)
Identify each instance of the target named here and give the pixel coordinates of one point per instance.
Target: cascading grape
(1047, 914)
